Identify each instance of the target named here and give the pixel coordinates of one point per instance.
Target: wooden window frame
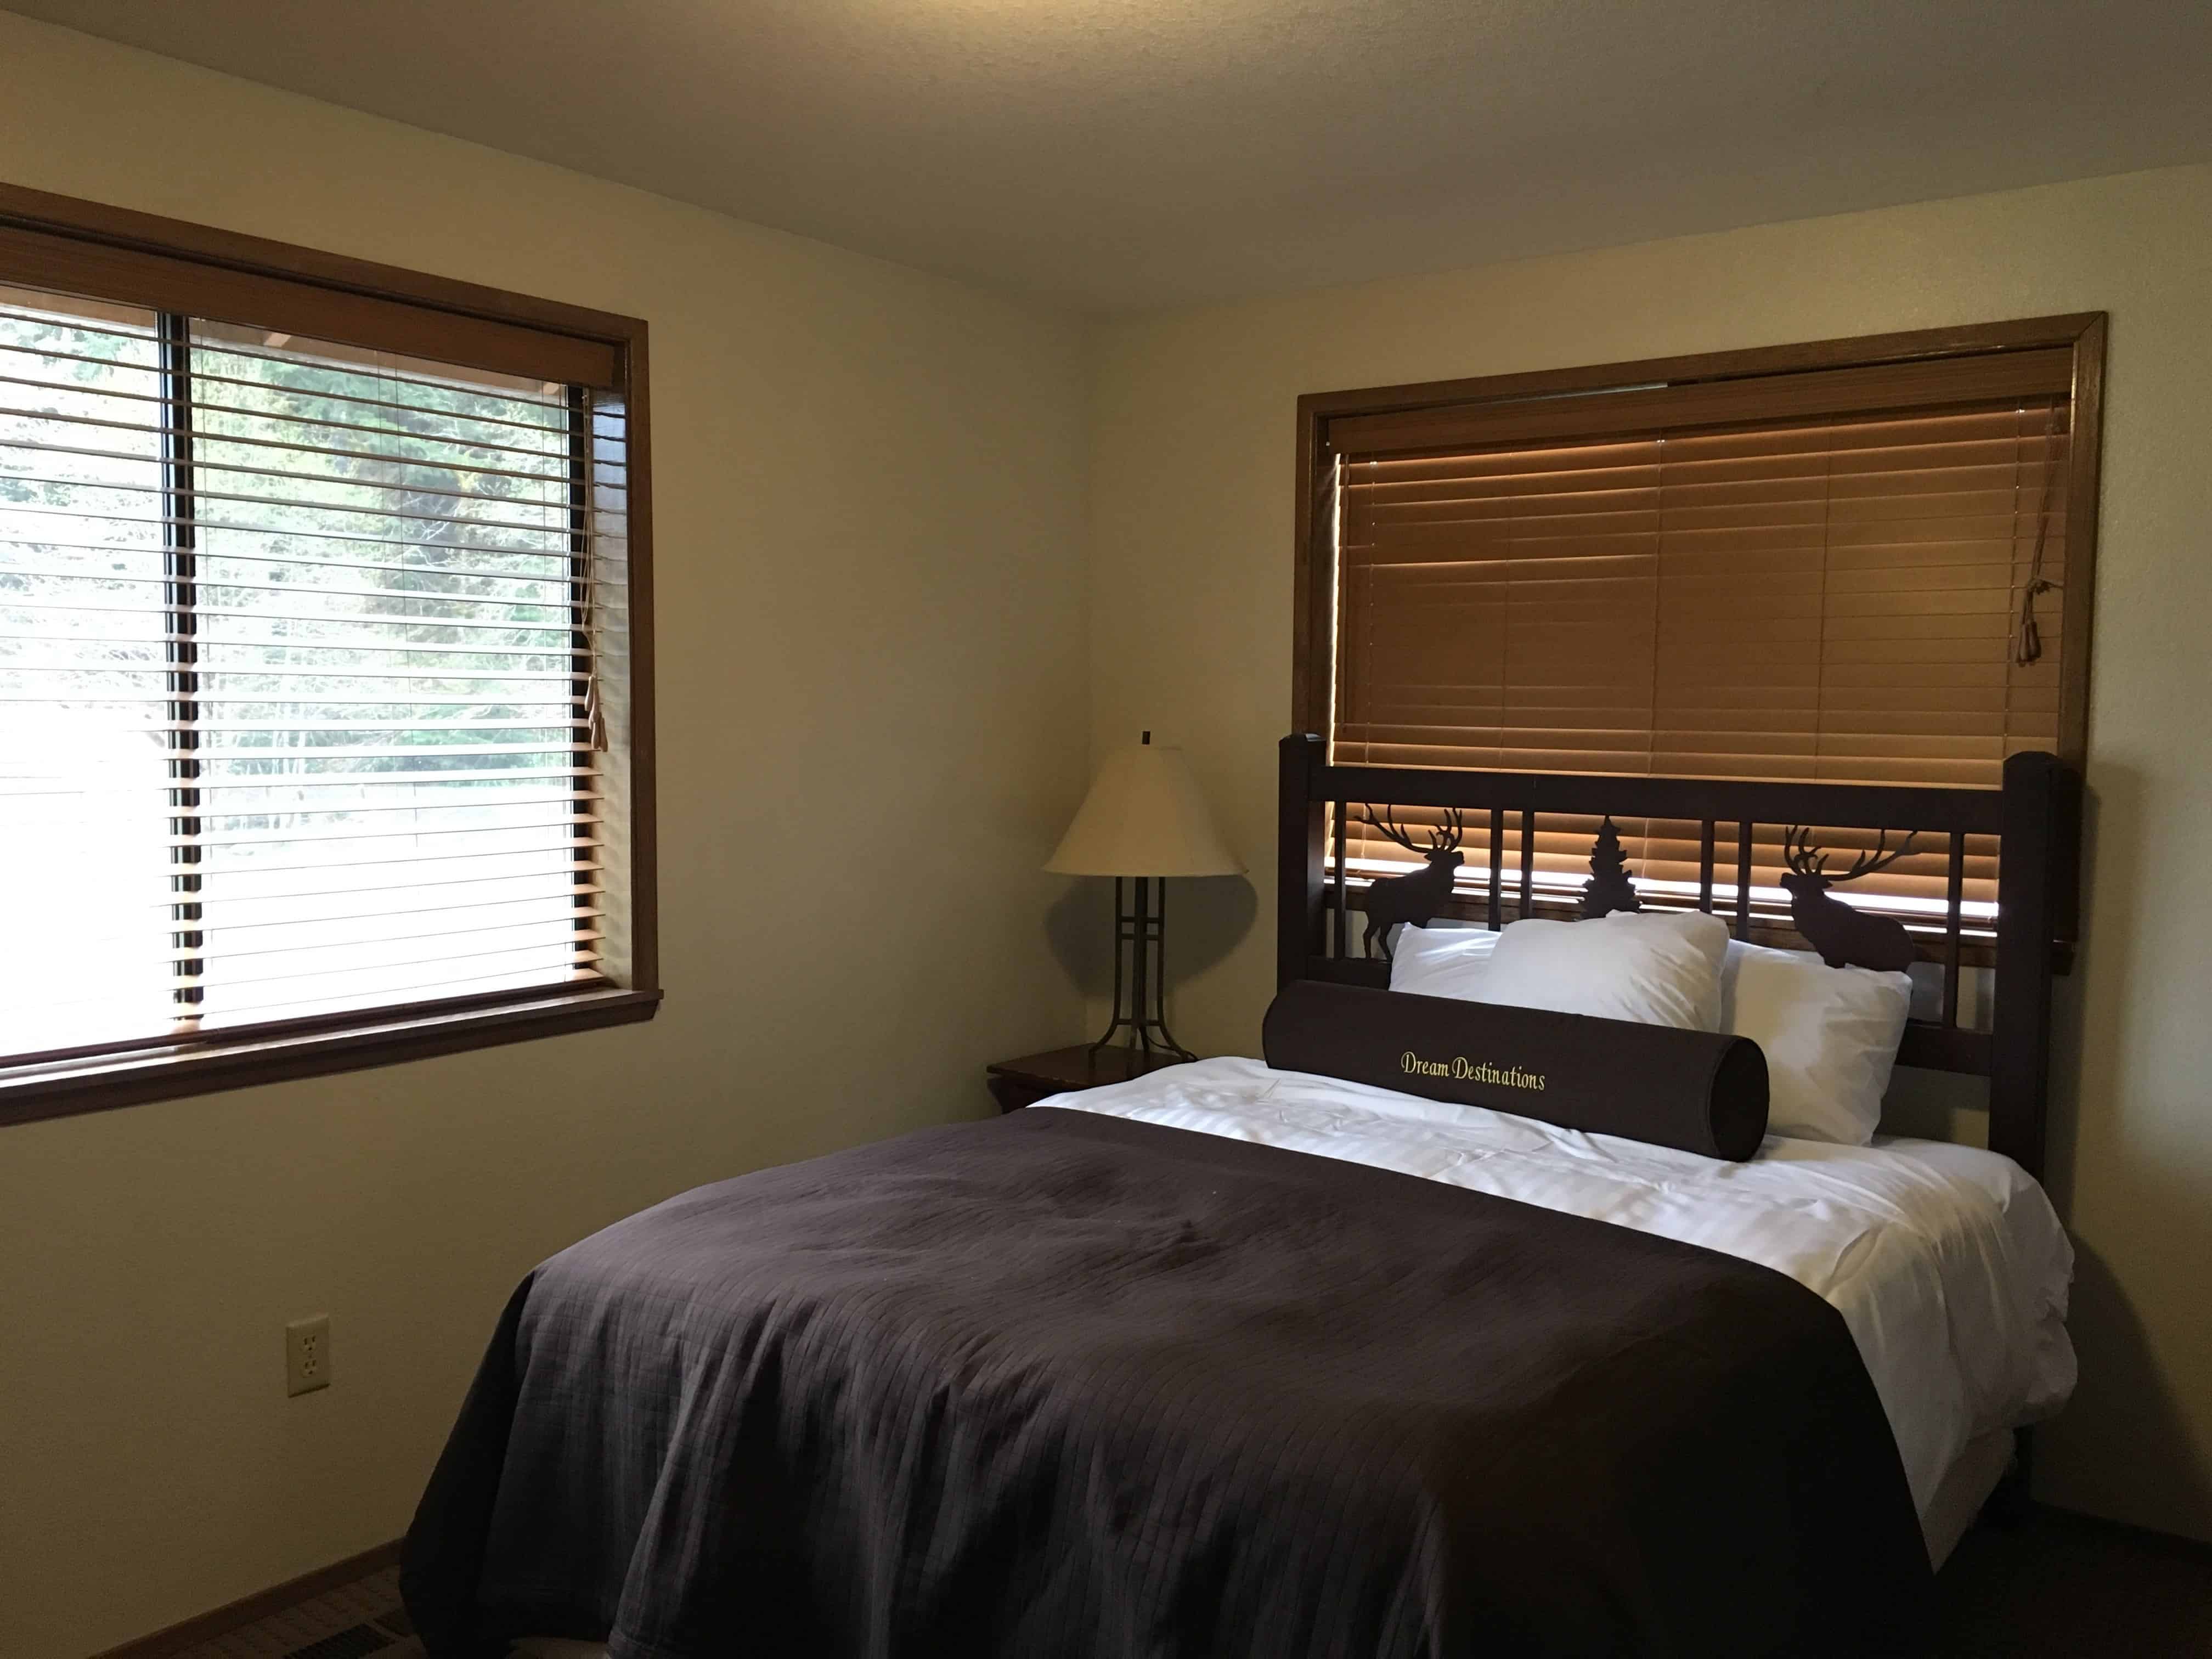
(115, 253)
(1651, 382)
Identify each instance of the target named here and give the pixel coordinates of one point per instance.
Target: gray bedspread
(1064, 1385)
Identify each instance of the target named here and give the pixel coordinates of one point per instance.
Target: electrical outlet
(307, 1355)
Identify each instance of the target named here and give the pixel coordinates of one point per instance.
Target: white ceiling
(1124, 153)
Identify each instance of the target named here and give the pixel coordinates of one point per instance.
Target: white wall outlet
(307, 1355)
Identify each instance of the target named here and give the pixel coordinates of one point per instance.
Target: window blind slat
(309, 504)
(282, 944)
(452, 895)
(100, 696)
(217, 839)
(113, 580)
(116, 421)
(156, 523)
(29, 783)
(280, 999)
(528, 687)
(118, 400)
(259, 986)
(323, 876)
(300, 966)
(549, 576)
(88, 605)
(541, 654)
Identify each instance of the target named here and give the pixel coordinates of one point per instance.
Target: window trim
(2082, 333)
(140, 259)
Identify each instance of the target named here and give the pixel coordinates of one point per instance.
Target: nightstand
(1018, 1083)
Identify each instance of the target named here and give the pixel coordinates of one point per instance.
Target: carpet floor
(2054, 1587)
(2058, 1586)
(353, 1622)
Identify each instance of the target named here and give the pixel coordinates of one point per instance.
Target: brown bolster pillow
(1701, 1092)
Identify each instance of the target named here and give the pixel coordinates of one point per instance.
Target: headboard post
(1302, 849)
(2041, 822)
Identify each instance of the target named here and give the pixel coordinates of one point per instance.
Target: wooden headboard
(2035, 817)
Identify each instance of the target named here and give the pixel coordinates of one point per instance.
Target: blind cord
(2027, 636)
(583, 460)
(595, 719)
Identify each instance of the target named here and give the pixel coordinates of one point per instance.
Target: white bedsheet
(1948, 1262)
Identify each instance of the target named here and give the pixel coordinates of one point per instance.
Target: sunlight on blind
(1834, 599)
(84, 818)
(292, 646)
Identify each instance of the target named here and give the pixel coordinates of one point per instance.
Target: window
(319, 615)
(1862, 560)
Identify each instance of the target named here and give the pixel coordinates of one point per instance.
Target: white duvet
(1948, 1262)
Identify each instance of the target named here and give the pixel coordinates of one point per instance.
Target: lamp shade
(1145, 815)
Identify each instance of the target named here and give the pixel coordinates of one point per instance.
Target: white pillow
(1830, 1035)
(1657, 968)
(1442, 962)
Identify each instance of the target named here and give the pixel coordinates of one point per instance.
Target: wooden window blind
(314, 660)
(1862, 572)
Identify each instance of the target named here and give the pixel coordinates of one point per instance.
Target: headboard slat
(1528, 861)
(1497, 868)
(1336, 880)
(1743, 837)
(1954, 895)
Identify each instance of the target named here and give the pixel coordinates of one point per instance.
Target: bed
(1233, 1359)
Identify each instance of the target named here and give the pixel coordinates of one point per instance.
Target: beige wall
(869, 502)
(1191, 629)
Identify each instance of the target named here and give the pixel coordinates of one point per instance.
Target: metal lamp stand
(1141, 925)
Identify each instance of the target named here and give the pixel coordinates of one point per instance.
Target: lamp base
(1150, 1038)
(1140, 932)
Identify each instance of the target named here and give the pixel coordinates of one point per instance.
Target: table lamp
(1144, 820)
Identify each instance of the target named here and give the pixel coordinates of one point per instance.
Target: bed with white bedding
(1948, 1262)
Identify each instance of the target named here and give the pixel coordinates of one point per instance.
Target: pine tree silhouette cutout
(1608, 888)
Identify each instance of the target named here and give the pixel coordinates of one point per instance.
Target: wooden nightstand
(1018, 1083)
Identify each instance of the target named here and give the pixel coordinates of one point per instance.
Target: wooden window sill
(32, 1092)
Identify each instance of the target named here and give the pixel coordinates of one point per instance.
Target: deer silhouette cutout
(1844, 937)
(1410, 899)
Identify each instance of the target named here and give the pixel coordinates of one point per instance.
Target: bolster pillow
(1702, 1091)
